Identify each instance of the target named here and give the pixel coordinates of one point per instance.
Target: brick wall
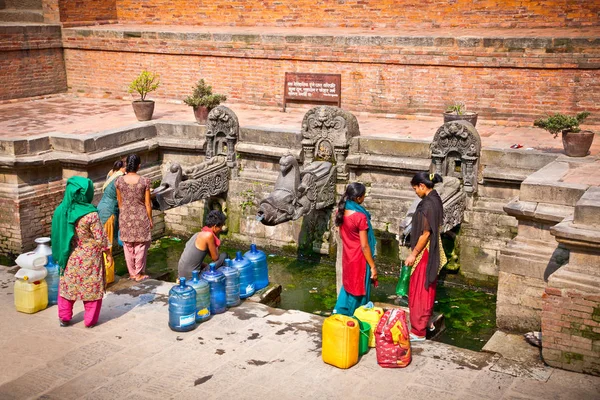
(571, 330)
(76, 12)
(496, 93)
(31, 61)
(363, 13)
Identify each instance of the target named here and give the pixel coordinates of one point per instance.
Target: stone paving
(69, 114)
(249, 352)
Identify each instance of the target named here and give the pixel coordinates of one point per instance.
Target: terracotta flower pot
(201, 114)
(143, 109)
(577, 144)
(468, 116)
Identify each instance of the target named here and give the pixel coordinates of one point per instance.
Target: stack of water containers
(232, 284)
(198, 300)
(182, 307)
(52, 278)
(202, 297)
(216, 281)
(259, 261)
(246, 275)
(31, 290)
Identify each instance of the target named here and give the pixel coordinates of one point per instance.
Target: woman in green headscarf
(78, 245)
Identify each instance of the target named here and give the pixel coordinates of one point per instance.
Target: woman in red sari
(358, 250)
(425, 256)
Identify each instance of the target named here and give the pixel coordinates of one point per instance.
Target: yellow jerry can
(340, 341)
(31, 297)
(372, 317)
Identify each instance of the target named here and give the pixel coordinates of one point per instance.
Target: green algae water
(308, 285)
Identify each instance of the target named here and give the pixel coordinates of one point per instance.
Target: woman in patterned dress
(135, 217)
(78, 245)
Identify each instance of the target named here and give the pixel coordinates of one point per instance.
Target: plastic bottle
(216, 280)
(232, 284)
(246, 275)
(259, 261)
(52, 278)
(202, 297)
(182, 307)
(31, 290)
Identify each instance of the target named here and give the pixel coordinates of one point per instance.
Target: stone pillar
(571, 302)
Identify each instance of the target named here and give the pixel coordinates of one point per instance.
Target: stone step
(23, 4)
(14, 15)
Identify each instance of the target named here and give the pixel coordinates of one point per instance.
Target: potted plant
(145, 83)
(576, 142)
(203, 100)
(457, 111)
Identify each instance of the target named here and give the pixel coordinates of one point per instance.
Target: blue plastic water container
(182, 307)
(259, 262)
(52, 280)
(232, 284)
(246, 270)
(53, 276)
(202, 297)
(216, 281)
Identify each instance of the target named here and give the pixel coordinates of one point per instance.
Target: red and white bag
(392, 339)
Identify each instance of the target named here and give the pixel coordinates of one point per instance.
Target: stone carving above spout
(455, 151)
(326, 132)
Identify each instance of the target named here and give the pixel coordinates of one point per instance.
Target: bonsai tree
(202, 96)
(145, 83)
(559, 122)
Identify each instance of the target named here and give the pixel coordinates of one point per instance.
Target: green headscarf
(77, 202)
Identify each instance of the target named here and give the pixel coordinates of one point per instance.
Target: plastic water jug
(30, 296)
(340, 341)
(182, 307)
(232, 284)
(216, 280)
(246, 271)
(53, 276)
(370, 315)
(202, 297)
(259, 262)
(52, 280)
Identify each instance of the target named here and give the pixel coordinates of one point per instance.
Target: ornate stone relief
(455, 151)
(327, 132)
(180, 186)
(222, 132)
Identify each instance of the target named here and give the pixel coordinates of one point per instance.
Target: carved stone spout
(297, 192)
(180, 187)
(326, 135)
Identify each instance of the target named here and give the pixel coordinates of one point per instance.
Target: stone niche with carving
(181, 186)
(326, 135)
(455, 152)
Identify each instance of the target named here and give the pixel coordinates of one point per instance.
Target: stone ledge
(543, 212)
(266, 151)
(279, 137)
(388, 162)
(587, 210)
(373, 145)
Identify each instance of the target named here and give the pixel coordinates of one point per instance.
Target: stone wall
(505, 79)
(31, 61)
(364, 13)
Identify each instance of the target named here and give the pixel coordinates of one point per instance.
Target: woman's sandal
(141, 278)
(415, 338)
